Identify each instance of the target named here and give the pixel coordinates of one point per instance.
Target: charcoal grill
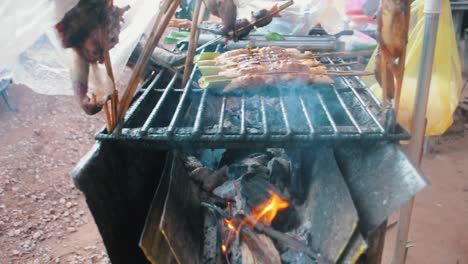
(165, 115)
(120, 174)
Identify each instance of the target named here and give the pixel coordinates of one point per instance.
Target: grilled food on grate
(254, 68)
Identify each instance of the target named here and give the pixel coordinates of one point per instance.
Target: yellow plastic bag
(446, 81)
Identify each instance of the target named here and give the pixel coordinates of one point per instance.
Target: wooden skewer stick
(193, 41)
(108, 118)
(281, 8)
(157, 31)
(110, 103)
(328, 73)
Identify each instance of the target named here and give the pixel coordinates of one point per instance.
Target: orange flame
(229, 224)
(267, 211)
(223, 249)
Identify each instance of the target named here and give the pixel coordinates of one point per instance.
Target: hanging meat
(90, 29)
(224, 9)
(263, 17)
(393, 22)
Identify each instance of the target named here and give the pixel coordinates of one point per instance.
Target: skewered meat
(393, 22)
(265, 51)
(224, 9)
(263, 17)
(244, 27)
(251, 81)
(90, 28)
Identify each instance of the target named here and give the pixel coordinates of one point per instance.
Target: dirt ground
(44, 219)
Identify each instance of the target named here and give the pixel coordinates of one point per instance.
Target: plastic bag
(37, 59)
(446, 73)
(299, 18)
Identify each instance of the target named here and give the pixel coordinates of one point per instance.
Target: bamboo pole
(193, 41)
(166, 12)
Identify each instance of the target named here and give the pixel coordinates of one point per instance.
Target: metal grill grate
(167, 116)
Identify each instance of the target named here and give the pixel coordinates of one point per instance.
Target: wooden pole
(432, 11)
(166, 12)
(376, 244)
(193, 41)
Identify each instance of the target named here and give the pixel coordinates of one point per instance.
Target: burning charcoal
(228, 190)
(192, 163)
(237, 170)
(280, 174)
(260, 249)
(209, 179)
(286, 220)
(263, 199)
(260, 158)
(211, 233)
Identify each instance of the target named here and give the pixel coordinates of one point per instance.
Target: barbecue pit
(137, 161)
(166, 115)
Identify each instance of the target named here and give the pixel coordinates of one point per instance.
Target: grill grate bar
(307, 116)
(171, 116)
(285, 115)
(154, 113)
(242, 129)
(200, 111)
(327, 112)
(183, 98)
(361, 101)
(264, 116)
(143, 97)
(346, 109)
(222, 115)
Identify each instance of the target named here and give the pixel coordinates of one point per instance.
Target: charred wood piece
(208, 179)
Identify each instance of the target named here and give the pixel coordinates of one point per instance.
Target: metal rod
(182, 100)
(242, 129)
(327, 113)
(348, 113)
(285, 115)
(431, 17)
(360, 100)
(201, 109)
(221, 116)
(131, 111)
(158, 106)
(264, 116)
(307, 115)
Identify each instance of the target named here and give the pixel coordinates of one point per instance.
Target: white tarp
(31, 50)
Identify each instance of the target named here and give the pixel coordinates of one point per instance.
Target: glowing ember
(223, 249)
(229, 224)
(267, 211)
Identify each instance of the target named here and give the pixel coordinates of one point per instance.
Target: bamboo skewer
(193, 41)
(253, 54)
(329, 73)
(166, 12)
(110, 104)
(234, 65)
(280, 8)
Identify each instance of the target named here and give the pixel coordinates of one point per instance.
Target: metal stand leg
(7, 102)
(432, 12)
(376, 245)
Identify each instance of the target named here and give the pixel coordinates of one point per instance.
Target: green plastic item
(170, 40)
(180, 34)
(274, 36)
